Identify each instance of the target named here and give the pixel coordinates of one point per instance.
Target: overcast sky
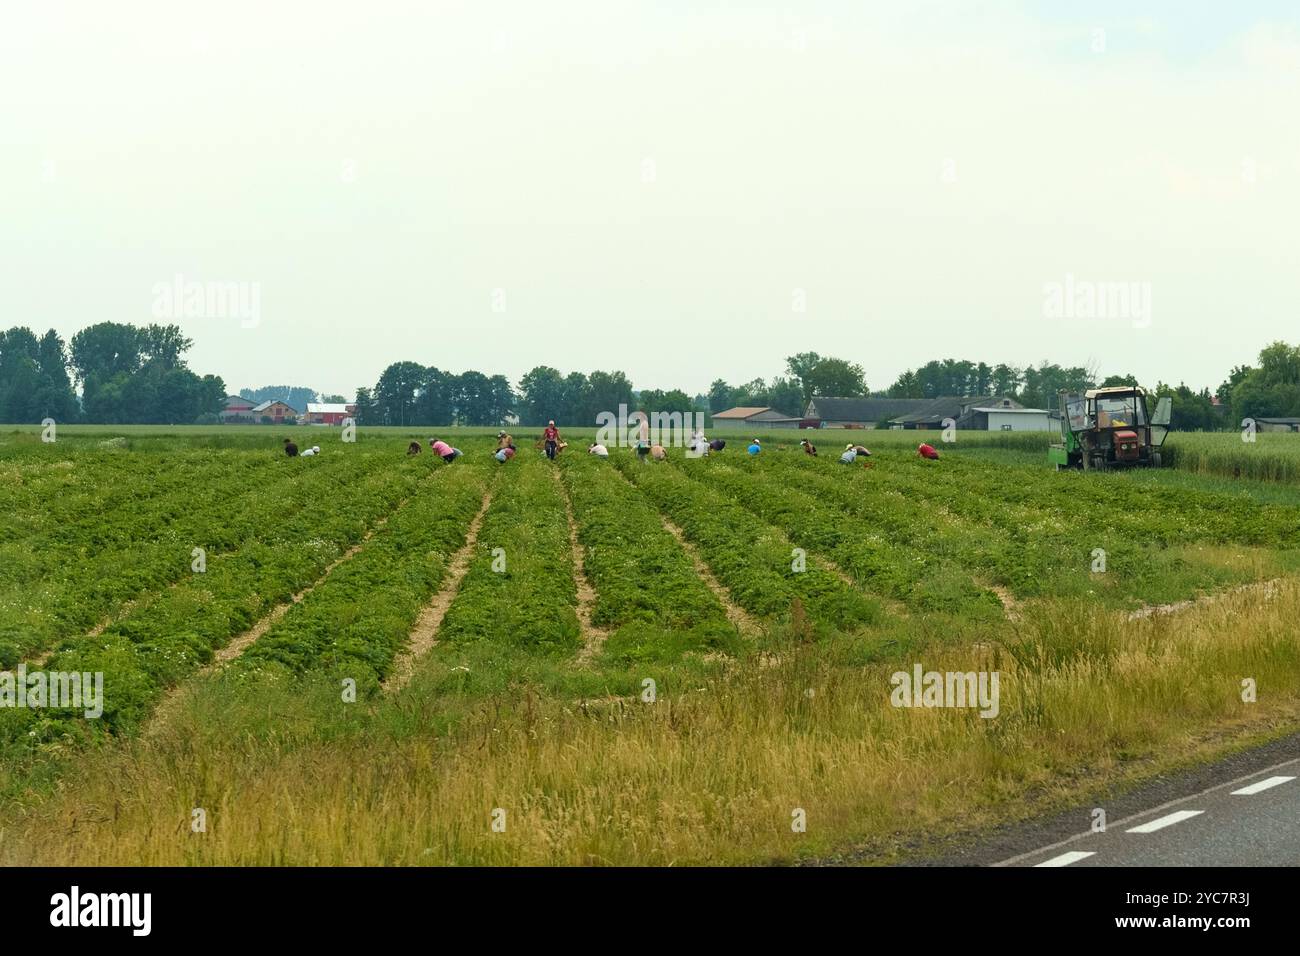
(684, 191)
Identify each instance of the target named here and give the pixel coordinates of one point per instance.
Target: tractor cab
(1110, 427)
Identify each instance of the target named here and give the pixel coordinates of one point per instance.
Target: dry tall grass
(710, 776)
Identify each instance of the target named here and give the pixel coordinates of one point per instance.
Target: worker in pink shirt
(927, 451)
(551, 437)
(440, 447)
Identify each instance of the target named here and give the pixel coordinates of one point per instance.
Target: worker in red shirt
(552, 439)
(927, 451)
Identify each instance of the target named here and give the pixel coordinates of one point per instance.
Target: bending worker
(440, 447)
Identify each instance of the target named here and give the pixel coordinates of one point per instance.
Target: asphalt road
(1252, 820)
(1214, 824)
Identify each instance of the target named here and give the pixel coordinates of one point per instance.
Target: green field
(636, 662)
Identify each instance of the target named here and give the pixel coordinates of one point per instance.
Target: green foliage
(163, 641)
(295, 396)
(133, 374)
(361, 615)
(531, 602)
(824, 375)
(647, 588)
(34, 382)
(755, 562)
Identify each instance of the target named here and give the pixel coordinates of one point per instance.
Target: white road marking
(1065, 859)
(1166, 821)
(1019, 857)
(1255, 788)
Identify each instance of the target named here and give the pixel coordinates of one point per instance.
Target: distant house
(961, 410)
(754, 417)
(277, 411)
(329, 413)
(1277, 424)
(237, 409)
(830, 412)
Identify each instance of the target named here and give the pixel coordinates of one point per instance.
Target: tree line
(1270, 389)
(408, 393)
(127, 374)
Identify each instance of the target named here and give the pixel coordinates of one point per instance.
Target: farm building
(993, 418)
(277, 411)
(1277, 424)
(754, 417)
(329, 413)
(829, 412)
(237, 409)
(961, 410)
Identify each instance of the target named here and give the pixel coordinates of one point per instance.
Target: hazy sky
(684, 191)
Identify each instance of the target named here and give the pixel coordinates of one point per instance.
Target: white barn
(995, 419)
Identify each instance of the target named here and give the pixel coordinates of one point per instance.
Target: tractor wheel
(1155, 459)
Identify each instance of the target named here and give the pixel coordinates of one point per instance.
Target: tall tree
(163, 345)
(786, 396)
(396, 393)
(800, 367)
(435, 402)
(575, 405)
(1006, 380)
(500, 400)
(658, 400)
(834, 376)
(608, 390)
(34, 382)
(138, 375)
(476, 399)
(541, 396)
(366, 413)
(720, 396)
(1273, 388)
(908, 385)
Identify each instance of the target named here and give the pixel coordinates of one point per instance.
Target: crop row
(519, 589)
(755, 562)
(646, 585)
(51, 590)
(357, 620)
(884, 541)
(161, 643)
(1040, 529)
(1116, 506)
(54, 488)
(923, 509)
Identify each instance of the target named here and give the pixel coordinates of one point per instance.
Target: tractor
(1110, 428)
